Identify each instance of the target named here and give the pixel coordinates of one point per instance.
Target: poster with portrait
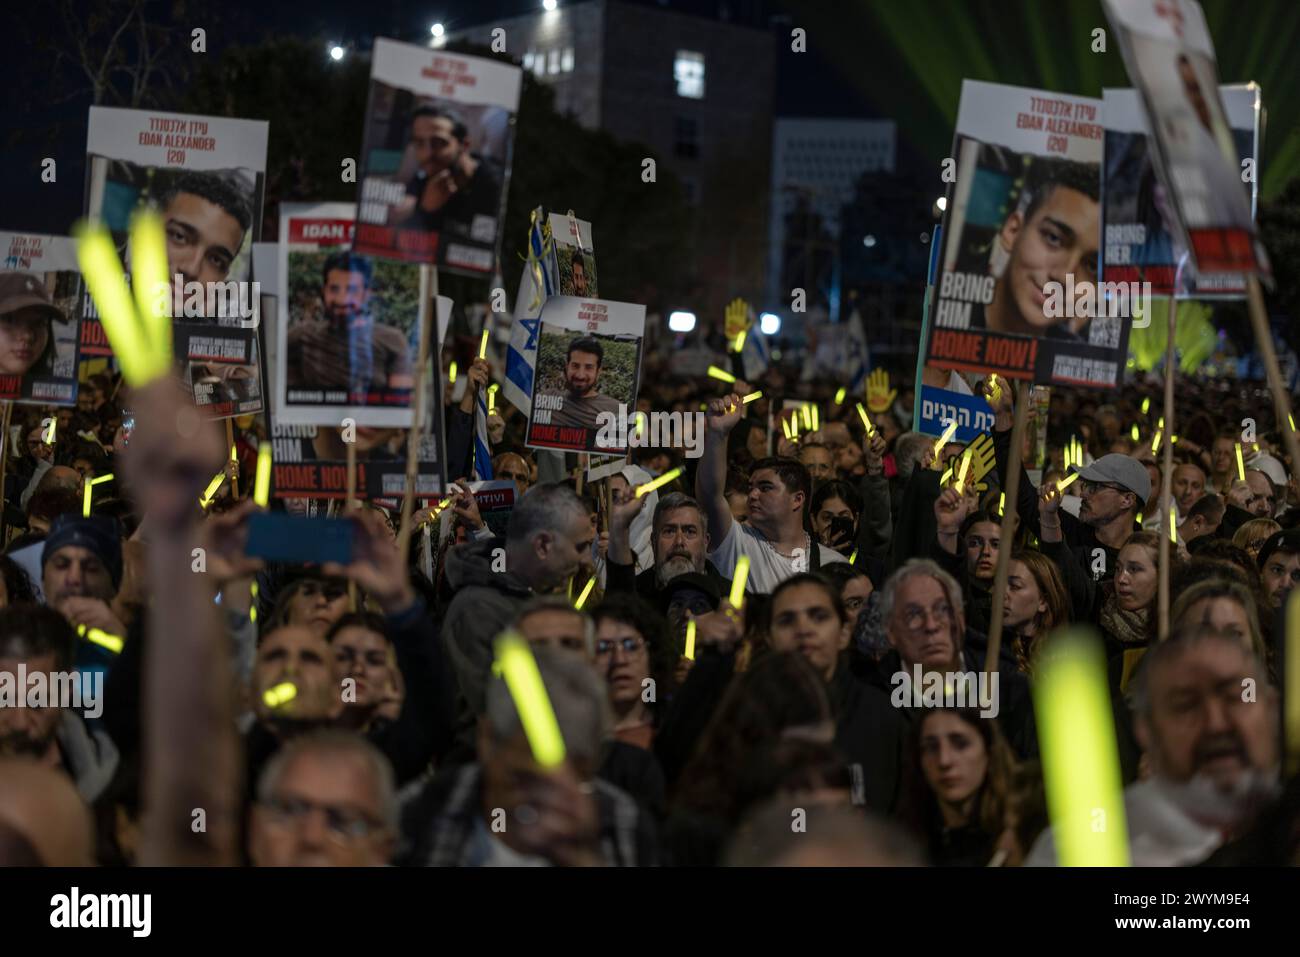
(205, 176)
(1170, 59)
(435, 156)
(588, 365)
(1142, 240)
(548, 233)
(349, 325)
(40, 309)
(1016, 291)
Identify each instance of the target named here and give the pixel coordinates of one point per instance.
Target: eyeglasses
(914, 618)
(630, 646)
(343, 825)
(1089, 488)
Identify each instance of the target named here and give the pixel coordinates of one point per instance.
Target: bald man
(41, 806)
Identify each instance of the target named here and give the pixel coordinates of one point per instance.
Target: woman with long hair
(1034, 604)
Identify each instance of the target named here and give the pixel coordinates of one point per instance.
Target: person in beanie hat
(81, 569)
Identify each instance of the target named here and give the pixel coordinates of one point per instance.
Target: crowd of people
(244, 712)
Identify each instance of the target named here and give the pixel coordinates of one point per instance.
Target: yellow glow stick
(1065, 483)
(816, 419)
(965, 467)
(1139, 518)
(839, 395)
(642, 423)
(1155, 443)
(1291, 419)
(785, 427)
(739, 345)
(252, 605)
(97, 257)
(519, 669)
(492, 400)
(807, 417)
(482, 346)
(262, 484)
(89, 492)
(1146, 406)
(854, 557)
(1136, 435)
(1173, 529)
(1241, 466)
(113, 643)
(1079, 756)
(1291, 685)
(451, 373)
(54, 428)
(866, 421)
(947, 474)
(738, 579)
(752, 397)
(233, 456)
(722, 374)
(148, 278)
(664, 479)
(206, 498)
(690, 640)
(280, 695)
(586, 590)
(948, 433)
(1002, 502)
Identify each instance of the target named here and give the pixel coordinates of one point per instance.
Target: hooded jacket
(484, 604)
(89, 757)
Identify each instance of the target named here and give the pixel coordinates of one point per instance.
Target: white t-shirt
(767, 568)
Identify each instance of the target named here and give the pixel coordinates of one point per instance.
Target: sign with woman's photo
(585, 385)
(40, 298)
(1170, 59)
(205, 176)
(1016, 290)
(435, 159)
(1143, 240)
(349, 326)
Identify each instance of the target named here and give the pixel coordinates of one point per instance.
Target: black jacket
(872, 736)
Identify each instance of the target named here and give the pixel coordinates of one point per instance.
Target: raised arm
(711, 476)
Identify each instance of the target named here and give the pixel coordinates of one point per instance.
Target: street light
(769, 323)
(680, 321)
(942, 203)
(437, 30)
(549, 5)
(868, 241)
(336, 53)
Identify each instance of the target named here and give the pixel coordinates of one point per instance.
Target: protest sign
(1143, 240)
(588, 364)
(1016, 287)
(1170, 59)
(436, 156)
(206, 176)
(40, 308)
(348, 329)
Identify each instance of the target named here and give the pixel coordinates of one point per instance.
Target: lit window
(528, 60)
(566, 60)
(555, 62)
(688, 71)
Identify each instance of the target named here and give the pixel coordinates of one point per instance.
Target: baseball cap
(19, 290)
(1270, 466)
(1118, 469)
(1287, 541)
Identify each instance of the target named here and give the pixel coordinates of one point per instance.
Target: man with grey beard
(680, 538)
(1208, 720)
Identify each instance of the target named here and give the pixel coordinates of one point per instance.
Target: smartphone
(128, 426)
(278, 537)
(842, 528)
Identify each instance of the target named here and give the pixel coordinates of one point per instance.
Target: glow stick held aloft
(280, 695)
(89, 493)
(689, 654)
(1065, 483)
(948, 433)
(206, 498)
(586, 591)
(114, 643)
(1146, 406)
(1137, 436)
(1241, 465)
(482, 346)
(1155, 443)
(262, 484)
(1173, 528)
(721, 374)
(149, 279)
(1080, 760)
(739, 344)
(522, 677)
(965, 467)
(839, 395)
(752, 397)
(866, 421)
(451, 373)
(664, 479)
(738, 579)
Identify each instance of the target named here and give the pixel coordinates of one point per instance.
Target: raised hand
(724, 414)
(879, 395)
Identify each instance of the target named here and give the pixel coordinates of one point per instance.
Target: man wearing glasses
(1113, 489)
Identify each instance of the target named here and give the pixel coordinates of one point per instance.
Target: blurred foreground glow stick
(839, 395)
(1135, 433)
(738, 579)
(97, 256)
(451, 373)
(1065, 483)
(1241, 466)
(113, 643)
(739, 344)
(206, 498)
(807, 417)
(664, 479)
(752, 397)
(149, 281)
(586, 590)
(262, 484)
(816, 418)
(1146, 406)
(280, 695)
(690, 640)
(482, 346)
(1080, 760)
(948, 433)
(519, 669)
(1291, 686)
(722, 374)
